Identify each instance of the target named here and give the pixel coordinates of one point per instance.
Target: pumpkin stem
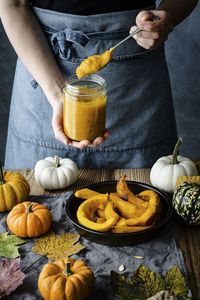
(29, 208)
(56, 161)
(2, 181)
(176, 150)
(68, 271)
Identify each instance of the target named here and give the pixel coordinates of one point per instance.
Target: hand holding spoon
(94, 63)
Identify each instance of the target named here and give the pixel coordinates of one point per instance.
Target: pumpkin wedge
(125, 193)
(153, 209)
(87, 210)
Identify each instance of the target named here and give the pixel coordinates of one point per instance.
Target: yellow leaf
(58, 246)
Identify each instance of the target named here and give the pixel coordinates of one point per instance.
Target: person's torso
(90, 7)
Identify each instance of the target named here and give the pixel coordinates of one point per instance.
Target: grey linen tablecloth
(159, 254)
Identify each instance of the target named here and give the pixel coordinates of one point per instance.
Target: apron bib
(140, 115)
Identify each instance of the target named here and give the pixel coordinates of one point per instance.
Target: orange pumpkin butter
(66, 279)
(29, 219)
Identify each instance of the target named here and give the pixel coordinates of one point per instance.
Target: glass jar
(84, 109)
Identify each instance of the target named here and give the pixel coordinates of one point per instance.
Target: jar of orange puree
(84, 110)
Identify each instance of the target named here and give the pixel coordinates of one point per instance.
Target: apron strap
(61, 43)
(62, 40)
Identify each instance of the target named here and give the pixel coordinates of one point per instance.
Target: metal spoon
(80, 70)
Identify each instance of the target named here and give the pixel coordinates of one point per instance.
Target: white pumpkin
(166, 169)
(54, 173)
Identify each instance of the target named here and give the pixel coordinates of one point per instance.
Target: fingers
(150, 40)
(81, 145)
(143, 17)
(154, 33)
(144, 20)
(86, 143)
(100, 139)
(145, 34)
(97, 142)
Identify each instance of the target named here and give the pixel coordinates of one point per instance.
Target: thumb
(58, 129)
(142, 17)
(60, 136)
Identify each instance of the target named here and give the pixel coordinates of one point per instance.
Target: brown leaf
(11, 276)
(58, 246)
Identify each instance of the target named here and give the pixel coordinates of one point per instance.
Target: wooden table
(189, 239)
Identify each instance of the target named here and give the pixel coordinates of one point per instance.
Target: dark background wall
(183, 56)
(7, 66)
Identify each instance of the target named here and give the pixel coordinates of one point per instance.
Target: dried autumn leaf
(150, 281)
(9, 245)
(11, 276)
(175, 282)
(125, 288)
(144, 283)
(58, 246)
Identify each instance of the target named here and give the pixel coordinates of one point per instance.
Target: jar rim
(71, 87)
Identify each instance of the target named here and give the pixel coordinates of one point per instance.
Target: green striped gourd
(186, 202)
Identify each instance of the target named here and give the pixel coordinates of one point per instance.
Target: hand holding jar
(84, 111)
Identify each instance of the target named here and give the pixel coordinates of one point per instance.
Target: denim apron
(140, 115)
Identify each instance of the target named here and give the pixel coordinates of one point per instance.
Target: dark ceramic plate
(119, 239)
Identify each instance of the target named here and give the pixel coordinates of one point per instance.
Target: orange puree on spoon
(93, 63)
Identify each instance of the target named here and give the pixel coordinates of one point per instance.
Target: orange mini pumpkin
(29, 219)
(14, 189)
(66, 279)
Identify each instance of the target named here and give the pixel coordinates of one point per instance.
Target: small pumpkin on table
(14, 189)
(29, 219)
(166, 169)
(66, 279)
(54, 173)
(186, 202)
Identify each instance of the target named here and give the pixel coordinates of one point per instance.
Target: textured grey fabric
(159, 254)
